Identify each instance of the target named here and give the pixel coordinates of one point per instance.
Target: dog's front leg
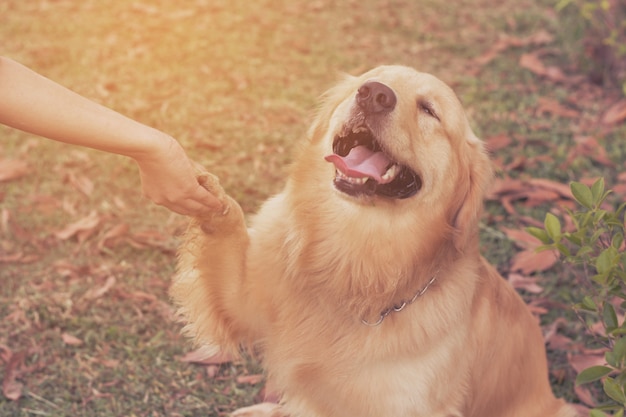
(211, 270)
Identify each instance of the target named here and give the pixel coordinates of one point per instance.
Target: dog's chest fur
(320, 347)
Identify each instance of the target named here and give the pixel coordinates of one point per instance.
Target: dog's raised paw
(216, 221)
(212, 184)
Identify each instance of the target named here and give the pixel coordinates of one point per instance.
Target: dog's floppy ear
(478, 175)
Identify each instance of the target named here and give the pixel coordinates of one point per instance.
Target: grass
(236, 82)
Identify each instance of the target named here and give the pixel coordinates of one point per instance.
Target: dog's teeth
(391, 173)
(352, 180)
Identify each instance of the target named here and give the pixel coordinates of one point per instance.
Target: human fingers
(190, 208)
(206, 199)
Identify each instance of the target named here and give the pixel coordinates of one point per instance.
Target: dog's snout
(375, 97)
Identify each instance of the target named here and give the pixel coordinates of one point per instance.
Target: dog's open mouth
(363, 168)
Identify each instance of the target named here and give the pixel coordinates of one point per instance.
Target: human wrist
(154, 147)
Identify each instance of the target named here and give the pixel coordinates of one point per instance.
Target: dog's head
(395, 136)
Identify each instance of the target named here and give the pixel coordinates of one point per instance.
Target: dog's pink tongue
(361, 162)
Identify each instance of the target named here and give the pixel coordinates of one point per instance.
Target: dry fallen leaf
(581, 409)
(541, 37)
(521, 238)
(495, 143)
(536, 308)
(203, 357)
(151, 239)
(66, 268)
(584, 395)
(532, 192)
(70, 340)
(81, 183)
(140, 296)
(533, 63)
(505, 42)
(620, 190)
(112, 236)
(5, 353)
(559, 341)
(109, 363)
(250, 379)
(11, 257)
(558, 187)
(87, 224)
(96, 293)
(12, 169)
(505, 186)
(615, 114)
(529, 261)
(521, 282)
(588, 146)
(537, 196)
(586, 360)
(551, 106)
(553, 338)
(212, 371)
(11, 388)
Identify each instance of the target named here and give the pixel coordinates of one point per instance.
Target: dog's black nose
(375, 97)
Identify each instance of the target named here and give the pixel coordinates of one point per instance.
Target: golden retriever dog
(361, 284)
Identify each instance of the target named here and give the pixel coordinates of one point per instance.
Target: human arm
(37, 105)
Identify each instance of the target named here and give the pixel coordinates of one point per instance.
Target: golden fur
(316, 262)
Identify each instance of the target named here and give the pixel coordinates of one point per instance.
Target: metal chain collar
(402, 305)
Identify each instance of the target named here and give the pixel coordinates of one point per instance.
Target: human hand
(169, 178)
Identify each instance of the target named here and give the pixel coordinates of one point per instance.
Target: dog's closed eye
(428, 108)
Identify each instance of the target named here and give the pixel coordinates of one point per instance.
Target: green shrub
(594, 31)
(596, 245)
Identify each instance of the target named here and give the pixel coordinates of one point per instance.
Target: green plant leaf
(597, 234)
(605, 261)
(585, 219)
(564, 250)
(614, 390)
(597, 191)
(553, 227)
(601, 279)
(597, 413)
(593, 373)
(619, 332)
(619, 349)
(582, 194)
(608, 316)
(540, 234)
(584, 251)
(621, 379)
(563, 4)
(605, 5)
(588, 304)
(608, 406)
(574, 238)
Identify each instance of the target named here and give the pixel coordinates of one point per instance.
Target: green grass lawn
(85, 320)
